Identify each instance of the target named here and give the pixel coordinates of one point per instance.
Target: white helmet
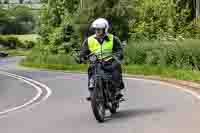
(101, 23)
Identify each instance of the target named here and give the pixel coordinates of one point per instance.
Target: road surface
(151, 106)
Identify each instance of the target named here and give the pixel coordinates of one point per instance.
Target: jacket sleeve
(84, 49)
(118, 48)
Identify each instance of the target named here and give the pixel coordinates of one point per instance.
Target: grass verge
(75, 68)
(16, 52)
(26, 37)
(147, 70)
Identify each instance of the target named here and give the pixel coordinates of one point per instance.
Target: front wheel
(97, 103)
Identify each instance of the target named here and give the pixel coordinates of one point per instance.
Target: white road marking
(30, 102)
(49, 92)
(193, 93)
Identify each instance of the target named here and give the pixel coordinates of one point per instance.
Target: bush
(117, 12)
(17, 20)
(10, 42)
(40, 55)
(25, 18)
(29, 44)
(160, 20)
(179, 54)
(13, 42)
(3, 42)
(63, 24)
(26, 44)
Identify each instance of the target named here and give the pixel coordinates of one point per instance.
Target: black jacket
(117, 47)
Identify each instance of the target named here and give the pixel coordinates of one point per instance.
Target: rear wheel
(97, 102)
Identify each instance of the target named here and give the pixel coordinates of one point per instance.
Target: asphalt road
(151, 107)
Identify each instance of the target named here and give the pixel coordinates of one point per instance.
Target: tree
(17, 20)
(183, 4)
(197, 7)
(21, 1)
(56, 18)
(6, 2)
(117, 12)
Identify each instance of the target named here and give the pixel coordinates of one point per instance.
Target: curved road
(11, 92)
(151, 107)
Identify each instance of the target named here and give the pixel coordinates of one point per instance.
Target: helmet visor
(99, 29)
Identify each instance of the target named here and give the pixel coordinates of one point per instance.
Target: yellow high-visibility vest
(103, 51)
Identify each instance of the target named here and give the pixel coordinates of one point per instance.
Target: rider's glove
(82, 60)
(118, 58)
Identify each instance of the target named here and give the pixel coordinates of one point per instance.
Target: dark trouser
(116, 74)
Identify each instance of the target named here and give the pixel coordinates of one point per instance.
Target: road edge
(33, 101)
(186, 85)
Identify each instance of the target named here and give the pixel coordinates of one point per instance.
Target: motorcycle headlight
(93, 58)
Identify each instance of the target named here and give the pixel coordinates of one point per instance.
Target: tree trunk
(21, 1)
(197, 8)
(6, 1)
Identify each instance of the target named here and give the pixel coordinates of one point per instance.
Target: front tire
(97, 103)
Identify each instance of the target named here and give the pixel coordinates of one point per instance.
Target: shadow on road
(131, 113)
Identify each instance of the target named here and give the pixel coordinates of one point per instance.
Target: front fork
(109, 94)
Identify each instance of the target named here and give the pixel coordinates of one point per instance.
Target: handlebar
(113, 56)
(76, 54)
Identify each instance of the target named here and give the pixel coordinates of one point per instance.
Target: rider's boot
(119, 93)
(122, 86)
(89, 97)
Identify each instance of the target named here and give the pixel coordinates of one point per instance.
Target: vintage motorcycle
(104, 94)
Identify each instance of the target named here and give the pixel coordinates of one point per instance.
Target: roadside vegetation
(18, 45)
(17, 29)
(18, 19)
(162, 37)
(146, 70)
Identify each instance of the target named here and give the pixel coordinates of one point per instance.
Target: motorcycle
(104, 93)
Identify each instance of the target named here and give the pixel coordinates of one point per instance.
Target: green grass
(16, 52)
(147, 70)
(23, 38)
(75, 68)
(163, 72)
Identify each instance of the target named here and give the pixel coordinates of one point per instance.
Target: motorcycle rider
(108, 44)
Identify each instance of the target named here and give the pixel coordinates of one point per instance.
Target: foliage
(41, 55)
(179, 54)
(156, 30)
(117, 12)
(64, 23)
(163, 72)
(16, 52)
(57, 25)
(160, 20)
(10, 42)
(13, 42)
(16, 20)
(136, 19)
